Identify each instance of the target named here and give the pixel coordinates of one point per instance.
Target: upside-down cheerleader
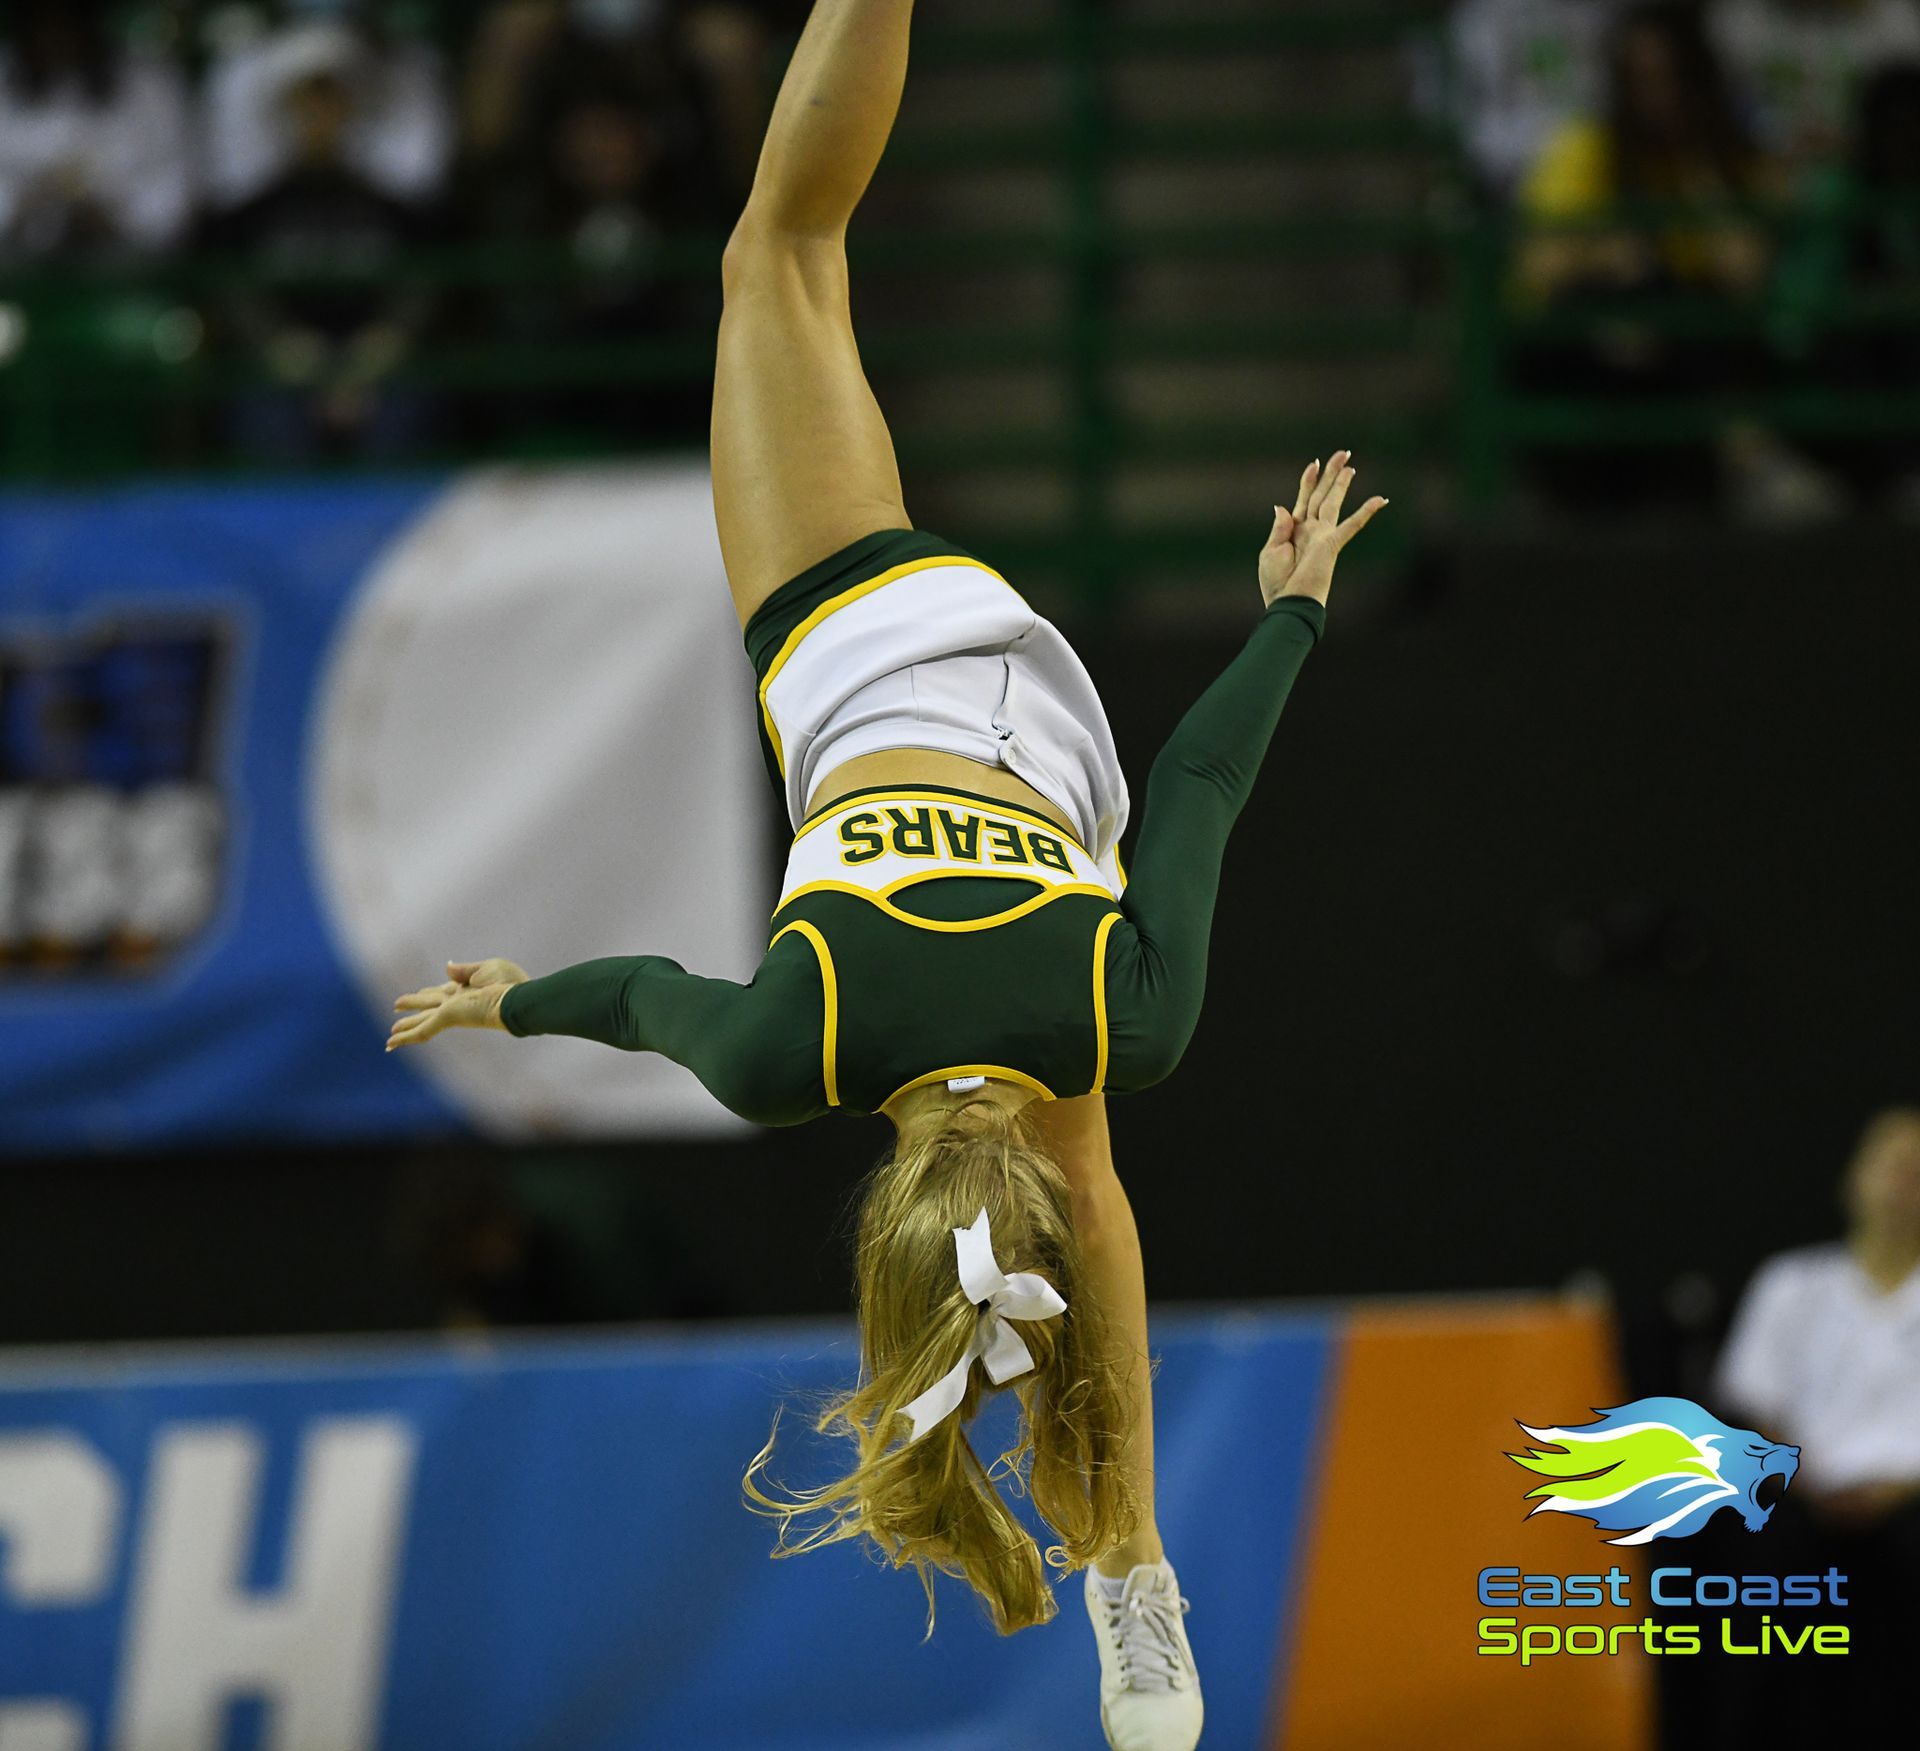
(955, 944)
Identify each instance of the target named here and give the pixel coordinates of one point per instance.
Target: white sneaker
(1149, 1689)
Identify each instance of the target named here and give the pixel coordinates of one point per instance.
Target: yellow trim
(1121, 867)
(951, 927)
(854, 804)
(832, 606)
(1100, 1001)
(830, 1027)
(999, 1071)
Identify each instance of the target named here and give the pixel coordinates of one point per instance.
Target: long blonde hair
(933, 1505)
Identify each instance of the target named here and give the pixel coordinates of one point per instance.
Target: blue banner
(541, 1543)
(243, 745)
(161, 645)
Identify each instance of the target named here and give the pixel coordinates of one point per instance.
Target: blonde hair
(933, 1505)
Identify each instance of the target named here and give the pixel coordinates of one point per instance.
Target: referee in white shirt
(1825, 1352)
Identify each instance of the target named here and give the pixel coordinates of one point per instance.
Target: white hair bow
(1000, 1299)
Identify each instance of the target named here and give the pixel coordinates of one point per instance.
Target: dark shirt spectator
(318, 306)
(1668, 131)
(606, 176)
(1856, 247)
(697, 65)
(1669, 136)
(1887, 164)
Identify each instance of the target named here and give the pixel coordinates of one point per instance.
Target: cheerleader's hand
(471, 997)
(1299, 555)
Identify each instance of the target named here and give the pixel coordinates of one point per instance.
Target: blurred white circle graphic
(535, 738)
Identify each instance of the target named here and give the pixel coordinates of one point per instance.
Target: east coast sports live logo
(1653, 1469)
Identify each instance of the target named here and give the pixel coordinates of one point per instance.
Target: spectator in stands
(94, 141)
(1886, 265)
(601, 163)
(1887, 163)
(401, 136)
(1519, 71)
(703, 61)
(1800, 65)
(1668, 134)
(316, 305)
(1856, 243)
(1825, 1353)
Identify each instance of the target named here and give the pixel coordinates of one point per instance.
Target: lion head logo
(1656, 1468)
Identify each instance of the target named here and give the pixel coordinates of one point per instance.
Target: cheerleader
(956, 945)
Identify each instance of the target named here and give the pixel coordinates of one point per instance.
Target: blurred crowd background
(312, 154)
(345, 230)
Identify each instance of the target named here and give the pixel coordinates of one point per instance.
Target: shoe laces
(1146, 1624)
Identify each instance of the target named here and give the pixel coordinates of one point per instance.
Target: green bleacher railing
(101, 359)
(1495, 420)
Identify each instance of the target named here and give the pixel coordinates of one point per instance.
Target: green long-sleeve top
(855, 1003)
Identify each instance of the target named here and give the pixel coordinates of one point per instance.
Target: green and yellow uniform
(925, 933)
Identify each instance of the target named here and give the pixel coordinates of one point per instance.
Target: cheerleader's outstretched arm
(1157, 960)
(756, 1047)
